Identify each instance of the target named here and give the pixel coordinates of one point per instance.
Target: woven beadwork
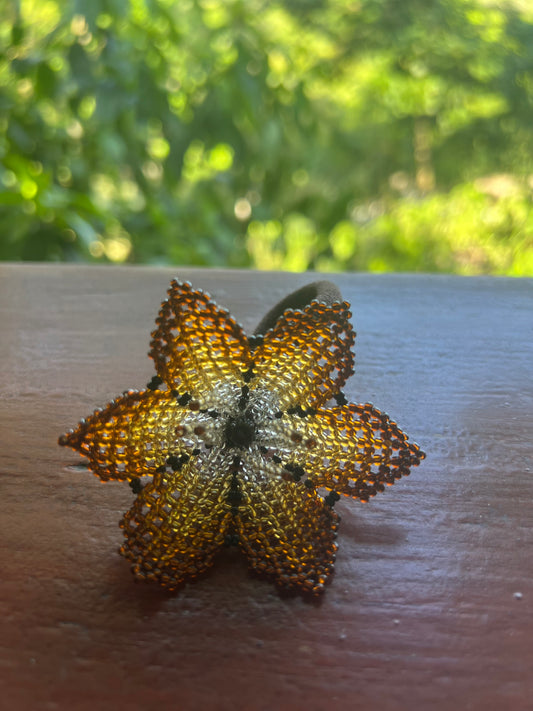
(244, 441)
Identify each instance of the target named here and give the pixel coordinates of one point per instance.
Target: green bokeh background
(307, 134)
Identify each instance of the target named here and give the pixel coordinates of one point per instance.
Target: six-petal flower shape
(236, 439)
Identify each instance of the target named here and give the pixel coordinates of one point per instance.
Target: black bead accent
(296, 470)
(248, 375)
(340, 398)
(254, 341)
(155, 383)
(231, 539)
(278, 415)
(300, 411)
(234, 496)
(239, 432)
(135, 485)
(276, 459)
(213, 413)
(243, 400)
(184, 399)
(309, 484)
(331, 498)
(174, 462)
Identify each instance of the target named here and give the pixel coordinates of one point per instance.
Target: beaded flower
(245, 441)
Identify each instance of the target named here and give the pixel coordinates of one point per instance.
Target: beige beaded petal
(306, 357)
(196, 343)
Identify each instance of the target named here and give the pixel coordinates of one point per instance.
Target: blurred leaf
(287, 135)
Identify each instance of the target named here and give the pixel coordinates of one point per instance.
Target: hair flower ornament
(236, 439)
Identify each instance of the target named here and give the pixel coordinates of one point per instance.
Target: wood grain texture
(432, 602)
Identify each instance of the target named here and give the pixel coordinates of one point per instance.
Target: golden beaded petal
(177, 524)
(354, 450)
(307, 356)
(196, 343)
(130, 437)
(235, 439)
(288, 532)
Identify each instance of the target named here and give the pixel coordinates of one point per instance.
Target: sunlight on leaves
(290, 135)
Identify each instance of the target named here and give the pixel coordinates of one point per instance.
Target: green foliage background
(304, 134)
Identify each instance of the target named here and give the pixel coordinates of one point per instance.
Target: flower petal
(354, 450)
(288, 533)
(196, 343)
(306, 357)
(132, 436)
(177, 524)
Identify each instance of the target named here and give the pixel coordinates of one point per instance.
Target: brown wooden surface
(431, 606)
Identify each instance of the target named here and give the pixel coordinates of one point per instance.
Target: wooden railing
(431, 606)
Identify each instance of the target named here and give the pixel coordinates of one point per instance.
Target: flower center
(239, 431)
